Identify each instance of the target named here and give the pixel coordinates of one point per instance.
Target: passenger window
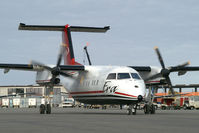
(135, 76)
(112, 76)
(123, 76)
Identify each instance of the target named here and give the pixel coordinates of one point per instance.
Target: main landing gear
(45, 107)
(149, 109)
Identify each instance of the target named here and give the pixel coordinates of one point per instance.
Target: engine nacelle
(55, 81)
(43, 77)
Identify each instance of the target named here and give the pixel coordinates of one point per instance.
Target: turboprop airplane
(97, 84)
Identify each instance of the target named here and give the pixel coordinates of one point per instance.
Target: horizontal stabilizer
(23, 26)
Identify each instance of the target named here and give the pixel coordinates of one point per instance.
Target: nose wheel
(132, 109)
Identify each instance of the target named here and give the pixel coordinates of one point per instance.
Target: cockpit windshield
(111, 76)
(123, 76)
(135, 76)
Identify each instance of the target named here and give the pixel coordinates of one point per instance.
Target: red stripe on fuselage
(94, 92)
(124, 94)
(87, 92)
(152, 81)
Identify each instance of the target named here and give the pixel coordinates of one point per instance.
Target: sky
(136, 27)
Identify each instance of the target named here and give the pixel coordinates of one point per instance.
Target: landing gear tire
(185, 107)
(134, 112)
(42, 109)
(146, 109)
(132, 109)
(152, 109)
(192, 108)
(48, 109)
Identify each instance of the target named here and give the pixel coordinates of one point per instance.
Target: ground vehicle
(32, 102)
(188, 102)
(16, 102)
(5, 102)
(68, 102)
(178, 103)
(191, 102)
(167, 103)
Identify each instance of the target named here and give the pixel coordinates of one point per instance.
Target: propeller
(166, 71)
(55, 71)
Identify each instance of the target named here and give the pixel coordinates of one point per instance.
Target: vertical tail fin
(69, 58)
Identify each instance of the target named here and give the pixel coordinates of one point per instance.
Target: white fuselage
(92, 86)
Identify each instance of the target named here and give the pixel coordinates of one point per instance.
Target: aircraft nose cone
(140, 98)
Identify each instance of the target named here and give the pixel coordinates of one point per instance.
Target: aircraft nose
(140, 98)
(141, 90)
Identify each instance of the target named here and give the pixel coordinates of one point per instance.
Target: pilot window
(123, 76)
(135, 76)
(112, 76)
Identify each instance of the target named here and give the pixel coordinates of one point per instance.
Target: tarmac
(75, 120)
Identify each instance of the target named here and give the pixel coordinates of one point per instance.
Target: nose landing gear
(132, 109)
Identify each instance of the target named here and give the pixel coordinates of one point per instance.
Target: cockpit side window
(111, 76)
(135, 76)
(123, 76)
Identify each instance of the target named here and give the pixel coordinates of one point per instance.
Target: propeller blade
(59, 60)
(184, 64)
(158, 75)
(170, 85)
(159, 57)
(41, 65)
(61, 53)
(179, 67)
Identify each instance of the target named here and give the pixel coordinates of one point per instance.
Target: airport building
(32, 95)
(26, 92)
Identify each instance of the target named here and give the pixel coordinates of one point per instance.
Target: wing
(141, 68)
(44, 73)
(30, 67)
(24, 67)
(72, 68)
(151, 73)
